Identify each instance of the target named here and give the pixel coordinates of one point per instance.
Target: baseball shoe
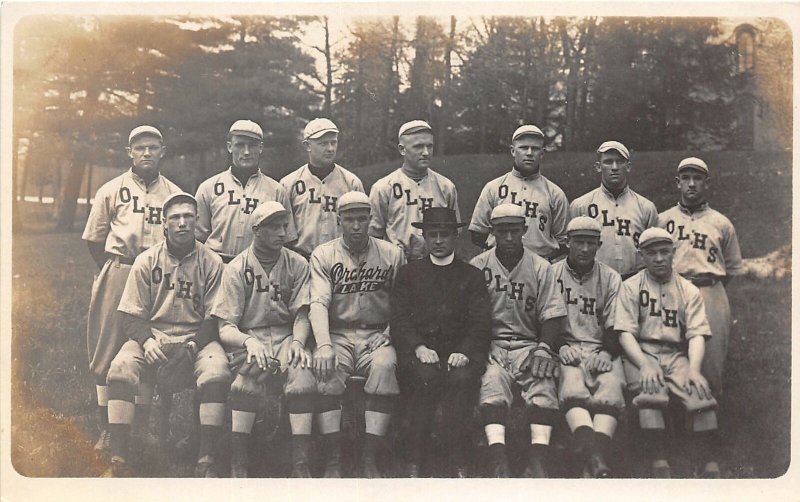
(239, 455)
(535, 469)
(103, 442)
(412, 471)
(499, 461)
(301, 470)
(118, 469)
(661, 469)
(461, 472)
(598, 467)
(205, 468)
(145, 438)
(710, 471)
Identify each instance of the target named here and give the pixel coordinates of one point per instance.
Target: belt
(514, 339)
(358, 325)
(704, 281)
(124, 260)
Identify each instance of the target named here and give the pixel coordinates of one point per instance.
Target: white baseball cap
(246, 128)
(177, 198)
(527, 130)
(693, 162)
(507, 213)
(614, 145)
(144, 129)
(654, 235)
(583, 225)
(267, 210)
(413, 126)
(318, 127)
(353, 200)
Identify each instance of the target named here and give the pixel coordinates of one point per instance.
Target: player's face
(179, 220)
(692, 185)
(582, 250)
(441, 241)
(355, 223)
(658, 259)
(528, 152)
(271, 234)
(417, 150)
(613, 169)
(146, 152)
(245, 151)
(322, 150)
(509, 236)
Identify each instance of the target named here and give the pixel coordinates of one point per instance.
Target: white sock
(540, 434)
(495, 433)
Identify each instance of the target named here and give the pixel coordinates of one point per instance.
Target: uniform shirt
(706, 241)
(224, 210)
(590, 300)
(127, 215)
(545, 205)
(397, 201)
(314, 203)
(652, 311)
(355, 288)
(522, 298)
(622, 219)
(175, 295)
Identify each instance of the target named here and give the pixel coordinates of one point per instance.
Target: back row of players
(511, 316)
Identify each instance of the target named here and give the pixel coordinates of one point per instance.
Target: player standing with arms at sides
(592, 380)
(399, 199)
(528, 319)
(351, 279)
(622, 213)
(707, 253)
(315, 188)
(166, 310)
(126, 219)
(226, 201)
(262, 307)
(544, 204)
(662, 328)
(440, 326)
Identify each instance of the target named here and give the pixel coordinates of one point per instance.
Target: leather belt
(514, 339)
(704, 281)
(357, 325)
(124, 260)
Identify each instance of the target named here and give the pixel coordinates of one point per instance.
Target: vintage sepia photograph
(397, 241)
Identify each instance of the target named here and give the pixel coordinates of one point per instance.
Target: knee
(384, 359)
(334, 386)
(245, 385)
(300, 381)
(123, 370)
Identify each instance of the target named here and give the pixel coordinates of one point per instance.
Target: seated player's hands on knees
(153, 352)
(324, 363)
(426, 355)
(696, 379)
(569, 356)
(299, 355)
(457, 360)
(652, 377)
(378, 340)
(256, 350)
(599, 362)
(542, 364)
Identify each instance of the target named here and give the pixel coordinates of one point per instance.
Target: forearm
(230, 335)
(302, 327)
(136, 328)
(551, 332)
(320, 326)
(697, 349)
(632, 349)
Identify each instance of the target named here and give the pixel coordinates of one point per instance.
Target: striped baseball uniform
(622, 220)
(224, 207)
(314, 203)
(127, 217)
(397, 201)
(590, 301)
(545, 204)
(707, 248)
(521, 300)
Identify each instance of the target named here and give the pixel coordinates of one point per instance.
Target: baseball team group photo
(401, 246)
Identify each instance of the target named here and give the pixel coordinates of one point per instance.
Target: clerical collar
(442, 262)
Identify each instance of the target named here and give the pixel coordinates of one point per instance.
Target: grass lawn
(53, 422)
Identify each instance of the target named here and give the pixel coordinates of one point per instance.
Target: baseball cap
(507, 213)
(267, 210)
(317, 127)
(654, 235)
(693, 162)
(177, 198)
(353, 200)
(583, 225)
(144, 129)
(246, 128)
(615, 145)
(527, 130)
(414, 126)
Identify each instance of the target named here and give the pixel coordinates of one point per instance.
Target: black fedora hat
(438, 217)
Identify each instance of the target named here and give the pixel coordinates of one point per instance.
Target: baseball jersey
(355, 288)
(652, 311)
(521, 298)
(622, 221)
(314, 203)
(706, 241)
(545, 205)
(398, 201)
(175, 295)
(224, 209)
(127, 215)
(251, 298)
(590, 300)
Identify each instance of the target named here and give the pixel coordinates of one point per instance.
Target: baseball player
(544, 204)
(315, 187)
(126, 219)
(263, 312)
(225, 202)
(351, 279)
(528, 318)
(165, 308)
(662, 326)
(440, 326)
(399, 199)
(592, 380)
(623, 213)
(707, 253)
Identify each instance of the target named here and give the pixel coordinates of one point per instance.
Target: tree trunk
(484, 119)
(66, 217)
(16, 221)
(328, 71)
(444, 118)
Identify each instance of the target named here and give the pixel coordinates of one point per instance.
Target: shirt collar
(347, 248)
(518, 174)
(173, 255)
(611, 195)
(575, 274)
(138, 179)
(257, 174)
(442, 262)
(702, 207)
(658, 281)
(311, 172)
